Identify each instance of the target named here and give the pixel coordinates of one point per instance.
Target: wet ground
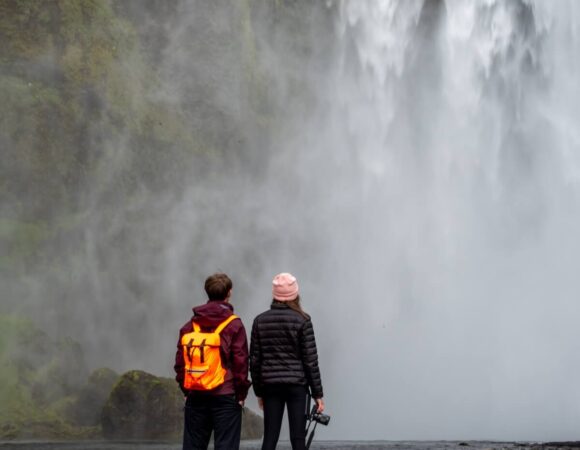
(326, 445)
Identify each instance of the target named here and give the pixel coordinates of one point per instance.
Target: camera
(317, 418)
(320, 418)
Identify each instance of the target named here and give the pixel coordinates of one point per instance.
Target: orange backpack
(201, 353)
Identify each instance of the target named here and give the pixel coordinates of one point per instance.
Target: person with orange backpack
(211, 366)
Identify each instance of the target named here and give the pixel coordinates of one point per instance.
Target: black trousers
(276, 397)
(205, 413)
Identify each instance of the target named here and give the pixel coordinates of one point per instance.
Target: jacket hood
(212, 313)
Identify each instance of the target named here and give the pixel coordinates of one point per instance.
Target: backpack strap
(225, 323)
(219, 328)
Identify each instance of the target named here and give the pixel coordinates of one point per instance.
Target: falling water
(448, 177)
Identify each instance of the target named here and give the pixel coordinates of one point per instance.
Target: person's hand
(261, 403)
(241, 402)
(320, 404)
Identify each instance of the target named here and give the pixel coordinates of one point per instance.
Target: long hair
(295, 305)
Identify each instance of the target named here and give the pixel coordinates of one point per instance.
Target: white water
(439, 194)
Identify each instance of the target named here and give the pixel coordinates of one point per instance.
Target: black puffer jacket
(283, 350)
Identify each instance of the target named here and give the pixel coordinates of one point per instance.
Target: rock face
(142, 406)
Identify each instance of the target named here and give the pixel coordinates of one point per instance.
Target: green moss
(91, 38)
(35, 393)
(103, 375)
(13, 329)
(21, 240)
(71, 67)
(44, 424)
(19, 15)
(15, 399)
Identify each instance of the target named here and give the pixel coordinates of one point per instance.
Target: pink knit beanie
(284, 287)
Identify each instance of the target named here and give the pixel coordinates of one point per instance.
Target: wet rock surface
(143, 406)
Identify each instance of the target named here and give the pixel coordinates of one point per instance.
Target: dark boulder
(144, 407)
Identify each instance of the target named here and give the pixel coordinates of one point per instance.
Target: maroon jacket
(233, 343)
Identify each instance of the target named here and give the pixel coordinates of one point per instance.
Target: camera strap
(308, 414)
(311, 436)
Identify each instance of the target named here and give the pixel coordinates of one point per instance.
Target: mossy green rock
(144, 407)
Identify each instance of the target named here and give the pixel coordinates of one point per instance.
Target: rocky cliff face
(114, 112)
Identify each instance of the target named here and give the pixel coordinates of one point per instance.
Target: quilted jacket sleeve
(310, 359)
(255, 360)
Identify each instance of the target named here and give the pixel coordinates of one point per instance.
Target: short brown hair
(217, 286)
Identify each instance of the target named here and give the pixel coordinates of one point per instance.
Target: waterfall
(447, 162)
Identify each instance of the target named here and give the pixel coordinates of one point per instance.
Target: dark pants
(275, 397)
(205, 412)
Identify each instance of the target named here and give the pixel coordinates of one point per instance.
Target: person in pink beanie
(284, 363)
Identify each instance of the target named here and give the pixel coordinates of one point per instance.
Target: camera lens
(322, 419)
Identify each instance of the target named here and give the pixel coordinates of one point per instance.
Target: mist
(415, 163)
